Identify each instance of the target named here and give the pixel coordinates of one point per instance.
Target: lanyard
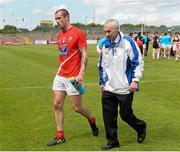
(113, 44)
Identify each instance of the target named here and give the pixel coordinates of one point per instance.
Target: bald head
(111, 28)
(113, 23)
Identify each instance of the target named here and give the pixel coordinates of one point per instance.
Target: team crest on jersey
(63, 49)
(70, 38)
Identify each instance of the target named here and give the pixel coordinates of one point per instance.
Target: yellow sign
(46, 21)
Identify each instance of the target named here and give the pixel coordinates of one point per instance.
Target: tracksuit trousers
(110, 102)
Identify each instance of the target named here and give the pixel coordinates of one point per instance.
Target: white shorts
(64, 84)
(168, 46)
(174, 47)
(163, 46)
(99, 50)
(144, 46)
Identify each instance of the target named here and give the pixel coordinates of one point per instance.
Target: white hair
(114, 23)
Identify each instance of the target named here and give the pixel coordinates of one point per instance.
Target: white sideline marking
(88, 84)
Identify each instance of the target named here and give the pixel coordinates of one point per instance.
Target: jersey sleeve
(82, 40)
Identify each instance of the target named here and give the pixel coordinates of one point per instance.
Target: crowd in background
(164, 45)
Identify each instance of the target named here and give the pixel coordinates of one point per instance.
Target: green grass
(26, 106)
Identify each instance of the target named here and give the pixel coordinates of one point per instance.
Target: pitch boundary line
(88, 84)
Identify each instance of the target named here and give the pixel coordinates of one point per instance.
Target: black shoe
(141, 136)
(95, 129)
(56, 141)
(110, 146)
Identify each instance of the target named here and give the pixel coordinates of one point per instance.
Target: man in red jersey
(72, 46)
(139, 43)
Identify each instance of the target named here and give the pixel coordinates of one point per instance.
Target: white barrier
(39, 42)
(91, 41)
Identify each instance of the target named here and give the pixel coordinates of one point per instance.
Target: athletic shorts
(168, 46)
(144, 46)
(99, 49)
(163, 46)
(64, 84)
(174, 47)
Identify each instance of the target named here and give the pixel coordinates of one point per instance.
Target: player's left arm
(84, 61)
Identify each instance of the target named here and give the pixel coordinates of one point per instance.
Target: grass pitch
(26, 106)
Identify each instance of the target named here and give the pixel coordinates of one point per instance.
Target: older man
(120, 69)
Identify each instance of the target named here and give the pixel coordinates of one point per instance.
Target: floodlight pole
(94, 17)
(142, 28)
(144, 15)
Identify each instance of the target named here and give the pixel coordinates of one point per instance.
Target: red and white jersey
(68, 43)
